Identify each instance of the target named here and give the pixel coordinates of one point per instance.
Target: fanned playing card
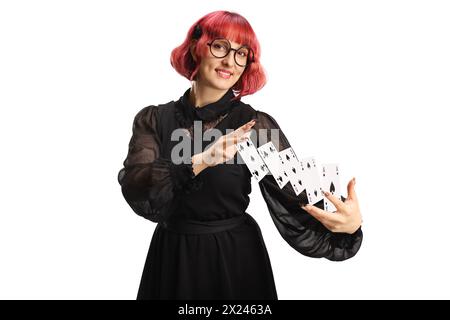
(293, 169)
(274, 162)
(331, 183)
(311, 176)
(249, 154)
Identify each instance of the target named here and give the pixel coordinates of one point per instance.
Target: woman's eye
(243, 54)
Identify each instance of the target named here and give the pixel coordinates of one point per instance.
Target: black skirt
(222, 259)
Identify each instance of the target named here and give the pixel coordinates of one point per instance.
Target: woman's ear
(192, 49)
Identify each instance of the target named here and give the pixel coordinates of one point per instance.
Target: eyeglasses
(221, 47)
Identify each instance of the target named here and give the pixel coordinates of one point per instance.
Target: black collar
(186, 113)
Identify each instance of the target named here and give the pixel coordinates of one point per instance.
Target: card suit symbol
(265, 154)
(271, 149)
(285, 173)
(300, 182)
(315, 193)
(294, 170)
(256, 173)
(332, 188)
(248, 143)
(241, 147)
(252, 158)
(287, 157)
(308, 166)
(262, 168)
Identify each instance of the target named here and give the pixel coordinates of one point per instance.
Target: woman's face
(219, 73)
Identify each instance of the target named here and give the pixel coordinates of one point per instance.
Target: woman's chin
(220, 86)
(223, 85)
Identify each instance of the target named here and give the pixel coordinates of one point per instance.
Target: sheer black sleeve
(298, 228)
(150, 184)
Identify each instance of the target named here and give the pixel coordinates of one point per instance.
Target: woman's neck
(201, 96)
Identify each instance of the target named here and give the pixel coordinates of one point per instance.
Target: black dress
(205, 245)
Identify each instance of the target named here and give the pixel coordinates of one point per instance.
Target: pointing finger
(241, 131)
(245, 127)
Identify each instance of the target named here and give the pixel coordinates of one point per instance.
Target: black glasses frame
(250, 58)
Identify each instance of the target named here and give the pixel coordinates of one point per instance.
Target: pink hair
(228, 25)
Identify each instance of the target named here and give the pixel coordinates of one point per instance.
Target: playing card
(330, 183)
(312, 180)
(252, 159)
(293, 169)
(274, 162)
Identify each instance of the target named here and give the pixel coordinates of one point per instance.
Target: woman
(205, 246)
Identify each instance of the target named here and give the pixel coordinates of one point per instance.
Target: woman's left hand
(346, 219)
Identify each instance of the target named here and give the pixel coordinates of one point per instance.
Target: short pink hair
(228, 25)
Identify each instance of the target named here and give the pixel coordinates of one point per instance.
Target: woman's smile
(224, 73)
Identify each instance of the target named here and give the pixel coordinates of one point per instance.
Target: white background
(362, 83)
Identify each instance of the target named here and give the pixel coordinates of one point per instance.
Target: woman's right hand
(224, 148)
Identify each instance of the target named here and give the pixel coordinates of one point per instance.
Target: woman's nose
(229, 59)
